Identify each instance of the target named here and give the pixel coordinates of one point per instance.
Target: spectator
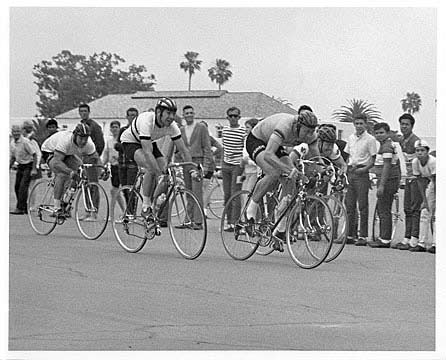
(110, 157)
(424, 168)
(28, 131)
(196, 139)
(216, 150)
(128, 169)
(361, 147)
(389, 174)
(24, 153)
(51, 127)
(233, 137)
(412, 195)
(250, 169)
(97, 137)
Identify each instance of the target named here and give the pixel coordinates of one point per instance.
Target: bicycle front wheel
(237, 243)
(309, 232)
(187, 224)
(129, 227)
(216, 202)
(91, 210)
(40, 207)
(340, 226)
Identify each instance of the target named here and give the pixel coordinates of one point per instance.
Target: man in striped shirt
(233, 139)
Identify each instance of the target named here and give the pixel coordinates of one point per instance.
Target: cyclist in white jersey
(62, 152)
(265, 146)
(138, 142)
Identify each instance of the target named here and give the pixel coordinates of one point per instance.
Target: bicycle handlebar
(171, 165)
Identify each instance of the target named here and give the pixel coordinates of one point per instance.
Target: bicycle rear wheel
(91, 210)
(129, 227)
(237, 243)
(40, 207)
(216, 201)
(340, 221)
(187, 224)
(309, 232)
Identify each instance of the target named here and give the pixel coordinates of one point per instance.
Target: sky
(317, 56)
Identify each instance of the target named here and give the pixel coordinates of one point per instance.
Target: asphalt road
(67, 293)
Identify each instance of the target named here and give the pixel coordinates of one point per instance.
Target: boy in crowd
(389, 174)
(424, 168)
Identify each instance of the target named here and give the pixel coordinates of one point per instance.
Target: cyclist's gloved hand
(195, 174)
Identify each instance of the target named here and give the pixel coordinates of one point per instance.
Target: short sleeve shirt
(23, 150)
(282, 124)
(408, 148)
(360, 148)
(62, 141)
(428, 170)
(387, 150)
(144, 127)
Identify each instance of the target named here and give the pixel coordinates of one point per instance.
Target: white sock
(413, 241)
(251, 211)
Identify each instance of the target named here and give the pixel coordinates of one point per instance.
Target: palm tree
(411, 103)
(357, 107)
(220, 72)
(191, 64)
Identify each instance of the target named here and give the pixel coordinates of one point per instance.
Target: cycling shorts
(130, 148)
(255, 146)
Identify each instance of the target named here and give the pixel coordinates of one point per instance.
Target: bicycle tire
(340, 223)
(40, 207)
(216, 201)
(91, 218)
(129, 227)
(187, 224)
(309, 233)
(237, 243)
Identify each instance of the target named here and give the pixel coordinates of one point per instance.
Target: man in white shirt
(361, 146)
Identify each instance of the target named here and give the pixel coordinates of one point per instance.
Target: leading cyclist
(265, 146)
(138, 144)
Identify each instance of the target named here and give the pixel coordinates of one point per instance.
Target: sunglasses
(233, 116)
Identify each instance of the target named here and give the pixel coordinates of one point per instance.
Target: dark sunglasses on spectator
(233, 115)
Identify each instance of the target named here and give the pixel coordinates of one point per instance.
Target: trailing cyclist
(63, 152)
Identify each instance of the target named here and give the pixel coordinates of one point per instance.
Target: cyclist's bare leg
(160, 187)
(263, 185)
(61, 179)
(149, 180)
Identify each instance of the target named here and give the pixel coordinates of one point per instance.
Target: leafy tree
(411, 103)
(220, 73)
(191, 64)
(357, 107)
(68, 80)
